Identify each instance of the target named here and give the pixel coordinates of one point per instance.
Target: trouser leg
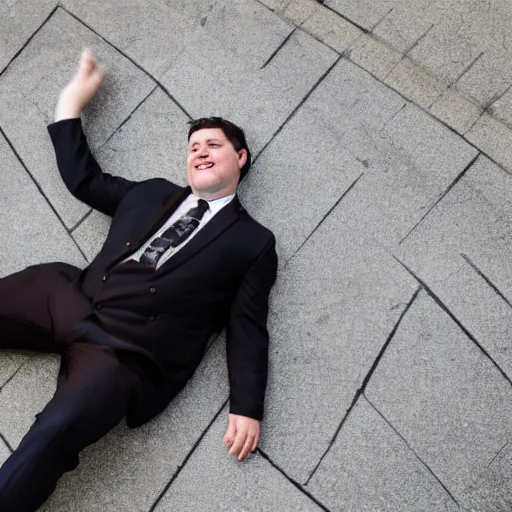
(94, 392)
(25, 316)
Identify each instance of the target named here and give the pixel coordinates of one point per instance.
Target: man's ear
(242, 157)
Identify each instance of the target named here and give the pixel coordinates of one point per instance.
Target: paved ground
(382, 139)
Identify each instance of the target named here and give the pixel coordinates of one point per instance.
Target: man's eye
(213, 144)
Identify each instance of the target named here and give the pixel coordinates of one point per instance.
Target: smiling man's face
(213, 164)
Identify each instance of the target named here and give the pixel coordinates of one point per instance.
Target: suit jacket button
(104, 278)
(98, 306)
(152, 290)
(152, 317)
(128, 244)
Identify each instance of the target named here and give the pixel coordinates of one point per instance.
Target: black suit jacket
(221, 277)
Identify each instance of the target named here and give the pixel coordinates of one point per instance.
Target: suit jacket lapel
(213, 229)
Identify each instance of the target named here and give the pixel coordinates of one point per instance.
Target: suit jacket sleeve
(247, 336)
(80, 171)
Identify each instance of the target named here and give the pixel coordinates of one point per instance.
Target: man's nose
(203, 152)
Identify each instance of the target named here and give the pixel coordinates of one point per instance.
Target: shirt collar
(216, 204)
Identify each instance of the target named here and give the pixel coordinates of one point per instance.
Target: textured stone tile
(150, 32)
(411, 161)
(374, 55)
(492, 137)
(18, 21)
(4, 452)
(26, 394)
(443, 395)
(501, 109)
(247, 30)
(222, 483)
(456, 111)
(10, 362)
(415, 83)
(298, 11)
(29, 91)
(330, 316)
(31, 233)
(366, 13)
(472, 220)
(152, 143)
(331, 29)
(491, 491)
(259, 100)
(128, 469)
(369, 468)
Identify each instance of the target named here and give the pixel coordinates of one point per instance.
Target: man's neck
(212, 197)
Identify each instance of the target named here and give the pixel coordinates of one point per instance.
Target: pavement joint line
(495, 98)
(360, 27)
(412, 450)
(276, 51)
(187, 457)
(128, 117)
(394, 115)
(292, 481)
(485, 278)
(466, 69)
(409, 50)
(308, 94)
(147, 73)
(324, 217)
(12, 376)
(381, 20)
(445, 308)
(9, 447)
(452, 184)
(78, 224)
(20, 160)
(461, 135)
(499, 451)
(27, 42)
(361, 390)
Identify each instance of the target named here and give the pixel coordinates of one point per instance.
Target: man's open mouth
(204, 166)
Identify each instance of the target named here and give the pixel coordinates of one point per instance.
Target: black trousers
(95, 388)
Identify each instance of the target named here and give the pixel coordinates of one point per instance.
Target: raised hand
(82, 88)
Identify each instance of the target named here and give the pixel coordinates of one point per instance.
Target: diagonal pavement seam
(361, 390)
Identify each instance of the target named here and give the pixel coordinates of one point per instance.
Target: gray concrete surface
(381, 135)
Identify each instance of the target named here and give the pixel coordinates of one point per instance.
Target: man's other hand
(242, 435)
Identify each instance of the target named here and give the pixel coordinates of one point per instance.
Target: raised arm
(79, 170)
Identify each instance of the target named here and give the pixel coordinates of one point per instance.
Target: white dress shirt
(190, 202)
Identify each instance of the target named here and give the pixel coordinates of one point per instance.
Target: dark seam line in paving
(360, 391)
(410, 448)
(393, 116)
(485, 278)
(189, 454)
(2, 437)
(297, 107)
(324, 217)
(496, 98)
(499, 451)
(360, 27)
(29, 39)
(453, 183)
(409, 50)
(292, 481)
(80, 221)
(40, 189)
(382, 19)
(461, 135)
(12, 376)
(128, 58)
(443, 306)
(276, 51)
(128, 117)
(466, 69)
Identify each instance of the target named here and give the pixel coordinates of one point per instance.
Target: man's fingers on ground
(247, 446)
(238, 443)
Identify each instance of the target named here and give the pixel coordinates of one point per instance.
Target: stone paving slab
(369, 468)
(443, 395)
(152, 143)
(491, 491)
(29, 92)
(365, 13)
(470, 228)
(259, 100)
(222, 483)
(10, 362)
(18, 22)
(151, 33)
(31, 232)
(332, 310)
(129, 468)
